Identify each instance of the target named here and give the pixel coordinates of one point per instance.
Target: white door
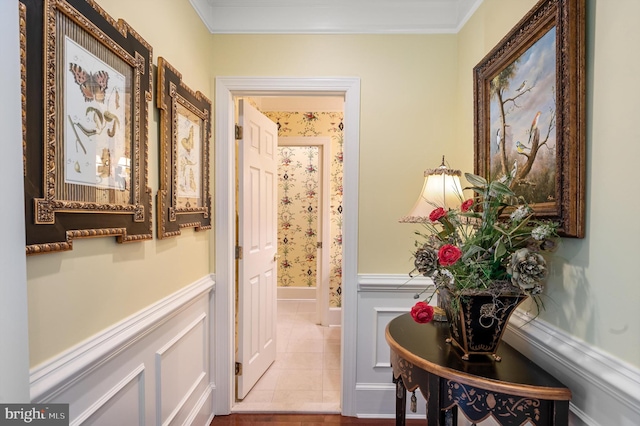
(257, 237)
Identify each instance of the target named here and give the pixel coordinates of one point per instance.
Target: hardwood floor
(302, 420)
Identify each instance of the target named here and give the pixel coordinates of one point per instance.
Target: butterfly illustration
(92, 85)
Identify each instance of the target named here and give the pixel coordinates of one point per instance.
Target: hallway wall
(74, 295)
(408, 96)
(416, 106)
(592, 292)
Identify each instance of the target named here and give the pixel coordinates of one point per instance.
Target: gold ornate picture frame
(87, 85)
(183, 200)
(530, 108)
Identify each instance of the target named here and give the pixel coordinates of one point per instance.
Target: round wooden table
(513, 390)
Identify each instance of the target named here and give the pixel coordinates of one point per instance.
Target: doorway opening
(309, 221)
(306, 373)
(224, 301)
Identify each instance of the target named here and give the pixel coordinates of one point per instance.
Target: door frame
(223, 304)
(324, 212)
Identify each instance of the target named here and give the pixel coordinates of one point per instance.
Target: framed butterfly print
(184, 200)
(87, 81)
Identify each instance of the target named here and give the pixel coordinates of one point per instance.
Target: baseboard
(335, 317)
(309, 293)
(297, 293)
(371, 396)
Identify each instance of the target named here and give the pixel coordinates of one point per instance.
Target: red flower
(449, 254)
(437, 214)
(422, 312)
(466, 205)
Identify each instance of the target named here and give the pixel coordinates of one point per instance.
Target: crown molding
(335, 16)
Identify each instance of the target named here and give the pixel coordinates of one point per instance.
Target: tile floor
(306, 374)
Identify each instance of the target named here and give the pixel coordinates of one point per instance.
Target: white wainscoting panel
(150, 369)
(297, 293)
(606, 390)
(383, 317)
(181, 370)
(381, 298)
(126, 397)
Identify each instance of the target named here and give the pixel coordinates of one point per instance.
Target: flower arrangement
(477, 247)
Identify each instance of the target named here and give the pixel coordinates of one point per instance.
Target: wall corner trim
(394, 283)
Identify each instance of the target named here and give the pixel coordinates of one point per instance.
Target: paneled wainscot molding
(605, 390)
(151, 368)
(118, 375)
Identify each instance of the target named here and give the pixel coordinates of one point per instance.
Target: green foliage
(487, 232)
(501, 82)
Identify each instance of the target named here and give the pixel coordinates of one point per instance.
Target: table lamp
(441, 188)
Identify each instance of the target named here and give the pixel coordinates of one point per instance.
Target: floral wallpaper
(297, 215)
(298, 182)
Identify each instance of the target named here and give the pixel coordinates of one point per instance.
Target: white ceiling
(334, 16)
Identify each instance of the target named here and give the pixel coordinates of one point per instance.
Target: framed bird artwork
(529, 106)
(184, 198)
(86, 88)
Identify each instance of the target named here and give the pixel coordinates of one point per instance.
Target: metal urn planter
(478, 318)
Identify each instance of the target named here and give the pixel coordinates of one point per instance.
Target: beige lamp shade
(441, 188)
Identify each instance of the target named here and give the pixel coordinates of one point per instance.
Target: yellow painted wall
(417, 104)
(407, 117)
(594, 290)
(74, 295)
